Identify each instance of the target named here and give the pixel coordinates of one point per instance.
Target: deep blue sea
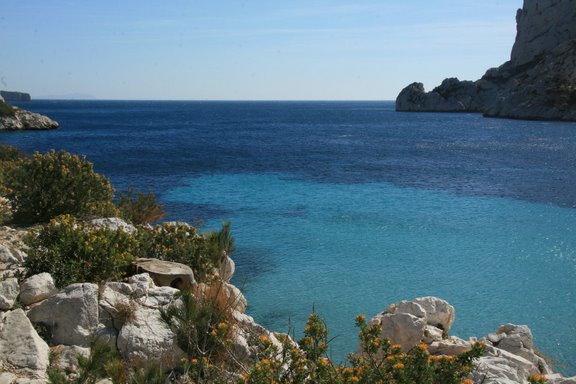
(346, 207)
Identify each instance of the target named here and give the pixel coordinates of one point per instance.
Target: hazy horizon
(251, 50)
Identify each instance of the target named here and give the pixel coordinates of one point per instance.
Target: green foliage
(181, 243)
(6, 109)
(380, 361)
(141, 209)
(57, 183)
(72, 252)
(202, 331)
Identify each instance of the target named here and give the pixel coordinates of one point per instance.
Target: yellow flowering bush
(56, 183)
(380, 362)
(73, 252)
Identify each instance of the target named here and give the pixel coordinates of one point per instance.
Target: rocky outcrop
(509, 358)
(128, 316)
(15, 96)
(24, 120)
(539, 81)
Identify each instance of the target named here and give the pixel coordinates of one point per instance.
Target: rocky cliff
(539, 81)
(20, 119)
(15, 96)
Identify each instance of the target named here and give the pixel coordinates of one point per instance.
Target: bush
(181, 243)
(380, 361)
(72, 252)
(142, 209)
(57, 183)
(6, 109)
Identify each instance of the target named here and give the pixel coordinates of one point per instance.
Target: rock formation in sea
(128, 316)
(15, 119)
(538, 82)
(15, 96)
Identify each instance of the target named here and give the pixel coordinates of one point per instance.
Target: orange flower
(467, 381)
(423, 347)
(360, 318)
(398, 365)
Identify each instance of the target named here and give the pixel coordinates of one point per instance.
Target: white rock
(452, 346)
(431, 334)
(66, 357)
(147, 338)
(21, 346)
(7, 378)
(140, 284)
(114, 224)
(438, 312)
(37, 288)
(401, 328)
(9, 290)
(159, 297)
(227, 269)
(517, 334)
(71, 315)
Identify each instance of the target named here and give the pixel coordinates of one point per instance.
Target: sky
(248, 50)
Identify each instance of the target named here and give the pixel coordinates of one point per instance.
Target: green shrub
(181, 243)
(56, 183)
(72, 252)
(6, 109)
(141, 209)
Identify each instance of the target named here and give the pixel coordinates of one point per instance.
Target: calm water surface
(350, 206)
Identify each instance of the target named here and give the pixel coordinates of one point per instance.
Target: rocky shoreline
(127, 316)
(538, 83)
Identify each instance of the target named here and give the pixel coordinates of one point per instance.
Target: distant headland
(15, 96)
(537, 83)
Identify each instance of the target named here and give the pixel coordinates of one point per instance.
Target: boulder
(401, 328)
(71, 315)
(21, 346)
(166, 273)
(435, 312)
(148, 339)
(9, 290)
(37, 288)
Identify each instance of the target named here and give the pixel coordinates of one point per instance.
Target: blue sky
(248, 50)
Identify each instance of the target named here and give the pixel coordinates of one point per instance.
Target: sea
(343, 208)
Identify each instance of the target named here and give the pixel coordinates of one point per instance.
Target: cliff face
(539, 81)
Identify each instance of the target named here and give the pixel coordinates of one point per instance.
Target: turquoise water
(350, 206)
(350, 249)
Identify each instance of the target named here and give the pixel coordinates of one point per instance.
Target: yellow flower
(264, 339)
